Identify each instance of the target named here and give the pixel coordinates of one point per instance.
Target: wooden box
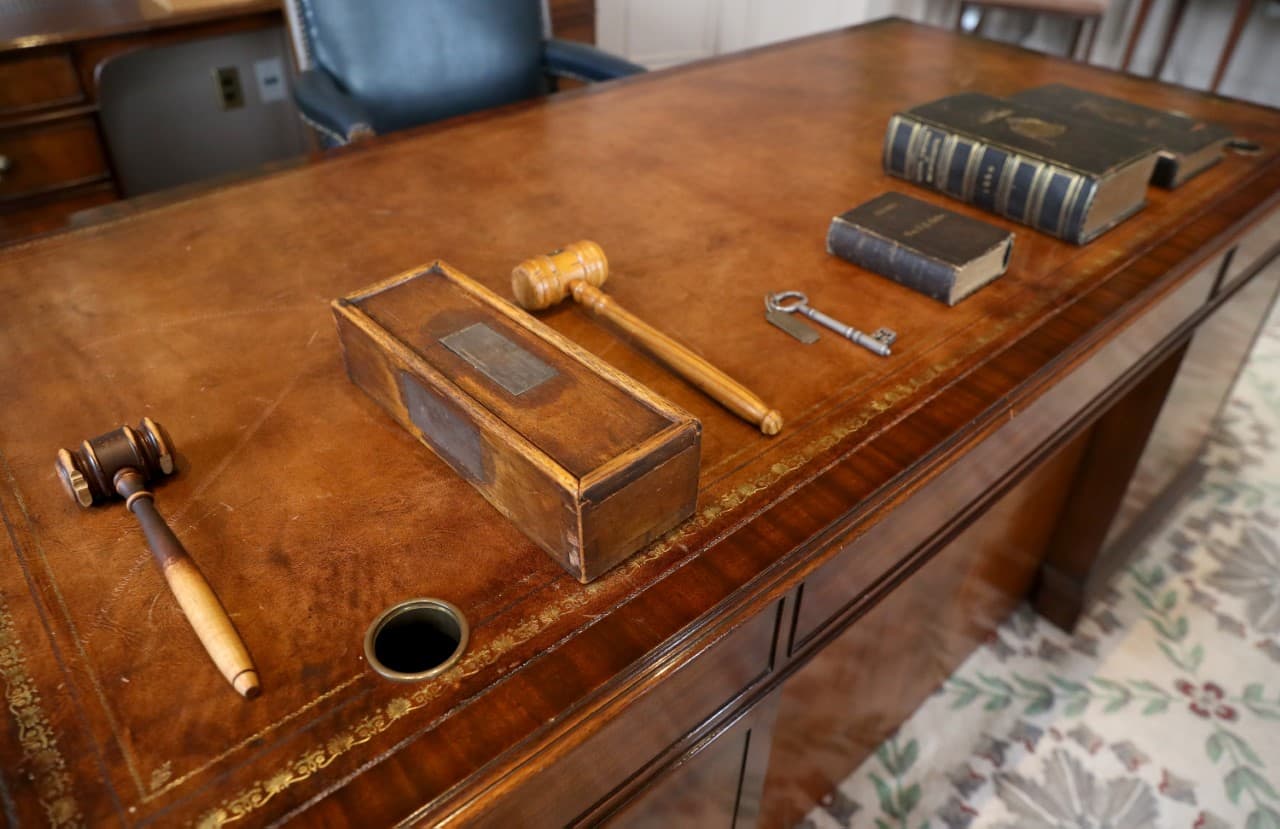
(585, 461)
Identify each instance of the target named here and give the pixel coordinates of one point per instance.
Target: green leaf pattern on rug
(1040, 698)
(1112, 696)
(1243, 776)
(1255, 700)
(1172, 628)
(898, 797)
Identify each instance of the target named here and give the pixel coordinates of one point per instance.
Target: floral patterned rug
(1162, 710)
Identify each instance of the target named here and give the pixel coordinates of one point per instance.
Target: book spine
(1044, 196)
(888, 258)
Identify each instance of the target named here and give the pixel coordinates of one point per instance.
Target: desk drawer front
(21, 221)
(1253, 246)
(644, 731)
(1205, 378)
(959, 490)
(42, 80)
(49, 157)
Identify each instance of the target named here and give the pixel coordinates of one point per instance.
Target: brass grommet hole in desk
(416, 640)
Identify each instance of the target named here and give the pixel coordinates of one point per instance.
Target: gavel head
(543, 281)
(88, 473)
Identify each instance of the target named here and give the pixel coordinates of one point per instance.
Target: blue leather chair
(375, 66)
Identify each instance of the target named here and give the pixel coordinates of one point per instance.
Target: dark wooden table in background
(54, 161)
(830, 578)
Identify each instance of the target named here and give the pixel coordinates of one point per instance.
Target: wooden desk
(907, 506)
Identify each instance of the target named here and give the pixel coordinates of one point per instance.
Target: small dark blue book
(927, 248)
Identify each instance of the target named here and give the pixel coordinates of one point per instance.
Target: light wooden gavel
(578, 270)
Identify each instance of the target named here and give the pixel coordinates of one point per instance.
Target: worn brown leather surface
(310, 511)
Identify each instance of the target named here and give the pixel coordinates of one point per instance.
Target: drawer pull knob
(5, 166)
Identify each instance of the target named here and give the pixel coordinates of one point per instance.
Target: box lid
(577, 410)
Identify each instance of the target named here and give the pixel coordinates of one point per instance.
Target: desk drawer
(1252, 248)
(50, 156)
(641, 731)
(944, 505)
(42, 80)
(21, 220)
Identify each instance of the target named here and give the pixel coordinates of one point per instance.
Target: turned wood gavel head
(89, 473)
(543, 281)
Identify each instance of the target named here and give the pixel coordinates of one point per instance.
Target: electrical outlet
(230, 93)
(270, 76)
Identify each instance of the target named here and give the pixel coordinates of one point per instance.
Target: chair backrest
(163, 127)
(413, 61)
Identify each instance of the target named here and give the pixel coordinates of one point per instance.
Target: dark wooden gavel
(121, 463)
(578, 270)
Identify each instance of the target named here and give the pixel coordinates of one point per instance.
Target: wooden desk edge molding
(910, 504)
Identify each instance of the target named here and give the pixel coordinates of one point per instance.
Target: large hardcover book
(1065, 176)
(1187, 146)
(922, 246)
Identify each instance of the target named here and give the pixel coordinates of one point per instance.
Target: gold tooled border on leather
(35, 734)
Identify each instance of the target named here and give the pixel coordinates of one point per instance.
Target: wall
(661, 33)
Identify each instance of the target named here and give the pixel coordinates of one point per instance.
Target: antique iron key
(795, 302)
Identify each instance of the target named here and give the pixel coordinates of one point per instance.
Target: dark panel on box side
(449, 433)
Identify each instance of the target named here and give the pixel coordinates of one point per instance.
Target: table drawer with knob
(38, 81)
(48, 156)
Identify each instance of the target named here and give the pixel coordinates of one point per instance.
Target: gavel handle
(736, 397)
(196, 598)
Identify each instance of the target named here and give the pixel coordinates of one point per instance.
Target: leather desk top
(310, 511)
